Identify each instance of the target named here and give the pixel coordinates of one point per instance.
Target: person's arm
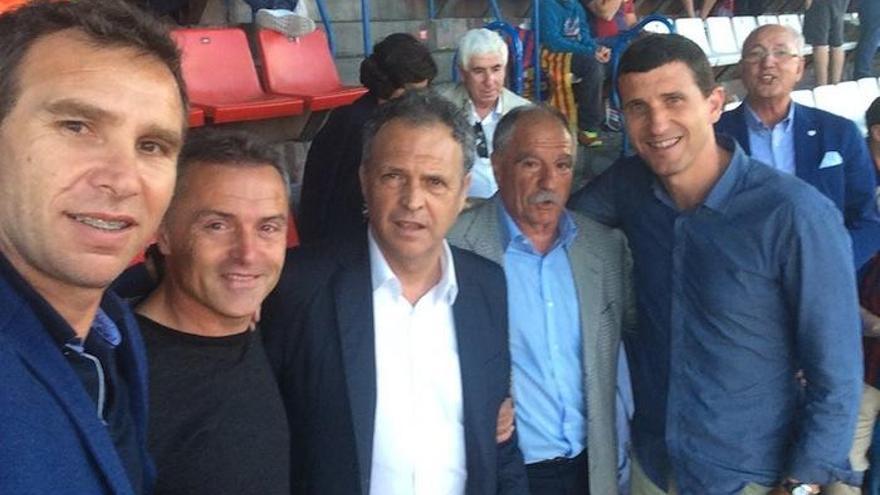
(597, 199)
(820, 288)
(552, 31)
(860, 210)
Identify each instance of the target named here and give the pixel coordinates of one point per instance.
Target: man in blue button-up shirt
(744, 276)
(569, 293)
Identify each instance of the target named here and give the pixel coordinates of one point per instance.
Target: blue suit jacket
(849, 185)
(318, 326)
(51, 440)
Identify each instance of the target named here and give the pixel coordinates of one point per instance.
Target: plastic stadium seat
(742, 26)
(656, 27)
(790, 20)
(870, 90)
(767, 19)
(804, 97)
(292, 232)
(304, 67)
(693, 29)
(722, 40)
(221, 78)
(852, 104)
(196, 117)
(731, 105)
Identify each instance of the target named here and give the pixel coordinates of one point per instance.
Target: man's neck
(541, 236)
(690, 188)
(484, 110)
(77, 305)
(416, 278)
(770, 111)
(173, 308)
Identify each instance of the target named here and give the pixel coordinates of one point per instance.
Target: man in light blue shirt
(569, 298)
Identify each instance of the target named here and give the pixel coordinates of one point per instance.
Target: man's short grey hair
(507, 125)
(480, 42)
(795, 34)
(421, 108)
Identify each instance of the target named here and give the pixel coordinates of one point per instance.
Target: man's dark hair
(397, 60)
(507, 125)
(212, 146)
(421, 108)
(655, 50)
(105, 23)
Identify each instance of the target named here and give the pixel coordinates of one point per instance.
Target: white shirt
(418, 440)
(482, 178)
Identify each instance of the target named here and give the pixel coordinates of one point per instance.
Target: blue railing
(536, 55)
(328, 26)
(516, 52)
(366, 27)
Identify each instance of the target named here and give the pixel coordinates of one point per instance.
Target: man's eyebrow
(200, 214)
(76, 108)
(281, 217)
(70, 107)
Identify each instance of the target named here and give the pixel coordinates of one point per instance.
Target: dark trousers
(588, 92)
(560, 476)
(869, 38)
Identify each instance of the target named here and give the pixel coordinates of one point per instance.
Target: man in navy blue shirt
(743, 277)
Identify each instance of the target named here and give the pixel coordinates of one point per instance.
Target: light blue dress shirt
(545, 344)
(773, 146)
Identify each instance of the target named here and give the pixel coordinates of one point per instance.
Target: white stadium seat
(804, 97)
(722, 40)
(742, 26)
(693, 29)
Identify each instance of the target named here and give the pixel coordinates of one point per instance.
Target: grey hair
(422, 108)
(507, 125)
(797, 36)
(233, 148)
(480, 42)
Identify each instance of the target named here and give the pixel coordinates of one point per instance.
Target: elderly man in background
(482, 59)
(821, 148)
(568, 284)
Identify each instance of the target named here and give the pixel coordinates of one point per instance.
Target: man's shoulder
(471, 266)
(593, 232)
(830, 123)
(456, 93)
(511, 100)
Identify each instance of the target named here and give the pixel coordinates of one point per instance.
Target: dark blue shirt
(734, 297)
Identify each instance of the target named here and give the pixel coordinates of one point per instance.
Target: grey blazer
(601, 265)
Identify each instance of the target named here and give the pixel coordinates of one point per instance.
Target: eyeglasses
(480, 141)
(757, 55)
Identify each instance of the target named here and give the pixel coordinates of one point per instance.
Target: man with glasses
(821, 148)
(482, 59)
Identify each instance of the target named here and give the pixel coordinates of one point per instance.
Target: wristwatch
(798, 488)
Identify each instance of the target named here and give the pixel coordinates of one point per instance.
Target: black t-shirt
(217, 423)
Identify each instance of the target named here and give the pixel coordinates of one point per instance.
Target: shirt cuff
(809, 470)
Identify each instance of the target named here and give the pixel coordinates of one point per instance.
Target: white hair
(480, 42)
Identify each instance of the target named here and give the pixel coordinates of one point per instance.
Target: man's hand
(603, 54)
(505, 427)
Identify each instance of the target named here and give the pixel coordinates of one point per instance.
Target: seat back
(693, 29)
(302, 65)
(217, 65)
(721, 37)
(763, 20)
(791, 20)
(870, 90)
(742, 26)
(851, 103)
(804, 97)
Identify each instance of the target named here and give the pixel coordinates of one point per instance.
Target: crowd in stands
(461, 318)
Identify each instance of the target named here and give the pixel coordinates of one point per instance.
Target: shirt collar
(381, 274)
(495, 114)
(724, 188)
(511, 233)
(57, 327)
(754, 123)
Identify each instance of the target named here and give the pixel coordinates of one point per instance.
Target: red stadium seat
(221, 78)
(292, 232)
(196, 117)
(304, 67)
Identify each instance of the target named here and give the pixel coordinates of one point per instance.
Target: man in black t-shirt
(217, 423)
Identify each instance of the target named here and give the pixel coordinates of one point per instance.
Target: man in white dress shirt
(482, 58)
(391, 349)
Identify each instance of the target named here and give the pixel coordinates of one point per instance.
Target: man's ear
(163, 239)
(716, 103)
